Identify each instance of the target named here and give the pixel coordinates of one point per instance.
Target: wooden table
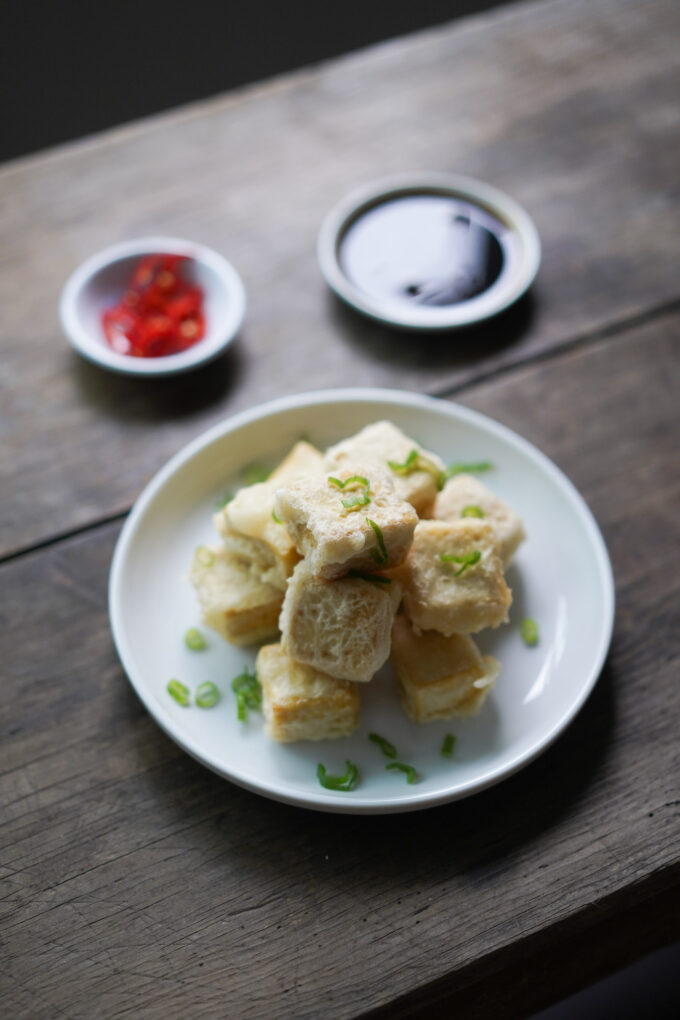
(135, 882)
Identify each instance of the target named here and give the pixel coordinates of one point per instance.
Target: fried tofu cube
(330, 523)
(304, 459)
(233, 602)
(463, 593)
(440, 677)
(341, 627)
(382, 442)
(271, 549)
(302, 703)
(465, 491)
(250, 531)
(265, 563)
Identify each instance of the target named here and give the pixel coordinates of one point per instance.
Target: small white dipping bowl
(100, 282)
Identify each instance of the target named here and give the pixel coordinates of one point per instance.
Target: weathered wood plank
(137, 883)
(570, 106)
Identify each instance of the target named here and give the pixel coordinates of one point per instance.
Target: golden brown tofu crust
(302, 703)
(440, 596)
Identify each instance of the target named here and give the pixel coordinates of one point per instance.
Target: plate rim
(324, 801)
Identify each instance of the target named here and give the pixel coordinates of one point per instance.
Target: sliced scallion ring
(179, 691)
(529, 632)
(448, 745)
(248, 693)
(388, 749)
(408, 770)
(467, 560)
(461, 468)
(194, 640)
(345, 782)
(380, 555)
(472, 511)
(417, 461)
(207, 695)
(354, 482)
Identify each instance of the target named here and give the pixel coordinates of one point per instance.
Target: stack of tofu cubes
(328, 550)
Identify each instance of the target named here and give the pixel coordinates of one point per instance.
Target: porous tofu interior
(464, 491)
(342, 627)
(380, 442)
(263, 562)
(302, 703)
(334, 539)
(439, 597)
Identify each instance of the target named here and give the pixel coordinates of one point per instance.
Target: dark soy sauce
(424, 249)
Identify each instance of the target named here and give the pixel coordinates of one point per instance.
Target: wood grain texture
(570, 106)
(137, 883)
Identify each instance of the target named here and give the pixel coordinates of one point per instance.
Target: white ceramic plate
(561, 576)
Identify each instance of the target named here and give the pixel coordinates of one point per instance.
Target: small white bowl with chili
(131, 307)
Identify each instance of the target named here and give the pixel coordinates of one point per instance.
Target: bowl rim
(423, 319)
(217, 339)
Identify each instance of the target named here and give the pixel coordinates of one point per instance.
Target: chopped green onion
(364, 576)
(252, 474)
(467, 559)
(472, 511)
(205, 556)
(380, 555)
(222, 502)
(389, 750)
(345, 783)
(207, 695)
(417, 461)
(467, 469)
(529, 631)
(354, 502)
(275, 518)
(248, 693)
(179, 691)
(447, 746)
(354, 481)
(408, 770)
(194, 640)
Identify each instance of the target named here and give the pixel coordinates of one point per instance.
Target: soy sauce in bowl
(424, 249)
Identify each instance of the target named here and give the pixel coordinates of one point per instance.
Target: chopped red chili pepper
(160, 312)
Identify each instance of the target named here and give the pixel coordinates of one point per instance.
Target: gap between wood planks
(601, 333)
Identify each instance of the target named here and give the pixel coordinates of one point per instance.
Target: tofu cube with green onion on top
(440, 677)
(300, 702)
(249, 527)
(233, 602)
(351, 520)
(341, 627)
(416, 473)
(453, 578)
(465, 496)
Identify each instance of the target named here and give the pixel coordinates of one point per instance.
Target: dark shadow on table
(160, 399)
(448, 349)
(478, 836)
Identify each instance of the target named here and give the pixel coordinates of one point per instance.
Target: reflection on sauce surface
(424, 250)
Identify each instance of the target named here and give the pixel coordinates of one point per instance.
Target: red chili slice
(159, 314)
